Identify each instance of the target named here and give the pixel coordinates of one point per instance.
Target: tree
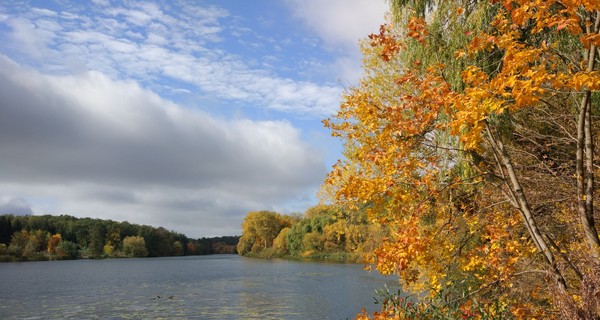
(97, 237)
(177, 248)
(18, 242)
(245, 244)
(191, 248)
(460, 136)
(67, 249)
(6, 230)
(113, 238)
(259, 229)
(537, 76)
(295, 236)
(280, 242)
(53, 243)
(134, 246)
(109, 250)
(313, 242)
(36, 243)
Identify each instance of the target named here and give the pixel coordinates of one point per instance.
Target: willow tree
(260, 229)
(471, 134)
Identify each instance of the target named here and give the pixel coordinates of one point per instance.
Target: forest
(470, 144)
(48, 237)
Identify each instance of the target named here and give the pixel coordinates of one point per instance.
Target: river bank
(338, 257)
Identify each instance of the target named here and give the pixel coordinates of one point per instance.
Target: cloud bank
(113, 149)
(172, 113)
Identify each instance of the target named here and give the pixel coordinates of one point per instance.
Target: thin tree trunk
(590, 224)
(585, 156)
(525, 209)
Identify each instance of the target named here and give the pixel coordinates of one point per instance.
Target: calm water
(199, 287)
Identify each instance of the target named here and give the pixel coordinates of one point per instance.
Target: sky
(180, 114)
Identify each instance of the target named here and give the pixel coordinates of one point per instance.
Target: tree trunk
(585, 155)
(525, 209)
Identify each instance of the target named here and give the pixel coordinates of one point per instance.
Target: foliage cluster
(66, 237)
(323, 232)
(471, 136)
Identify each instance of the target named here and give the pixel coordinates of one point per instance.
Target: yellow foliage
(408, 133)
(53, 242)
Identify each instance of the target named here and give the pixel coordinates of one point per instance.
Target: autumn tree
(53, 242)
(29, 245)
(18, 242)
(135, 246)
(259, 229)
(280, 243)
(113, 240)
(461, 137)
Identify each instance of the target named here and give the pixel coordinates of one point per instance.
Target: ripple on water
(199, 288)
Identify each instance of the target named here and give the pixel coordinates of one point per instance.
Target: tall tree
(259, 229)
(135, 246)
(461, 136)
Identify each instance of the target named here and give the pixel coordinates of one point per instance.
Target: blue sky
(182, 114)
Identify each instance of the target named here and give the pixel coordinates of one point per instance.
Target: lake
(193, 287)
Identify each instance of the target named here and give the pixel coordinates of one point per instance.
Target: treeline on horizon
(48, 237)
(322, 232)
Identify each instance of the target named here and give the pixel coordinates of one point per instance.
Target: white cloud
(31, 38)
(103, 148)
(44, 12)
(146, 41)
(341, 24)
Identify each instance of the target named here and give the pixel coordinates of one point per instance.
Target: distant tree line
(323, 232)
(24, 238)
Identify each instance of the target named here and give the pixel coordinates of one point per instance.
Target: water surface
(198, 287)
